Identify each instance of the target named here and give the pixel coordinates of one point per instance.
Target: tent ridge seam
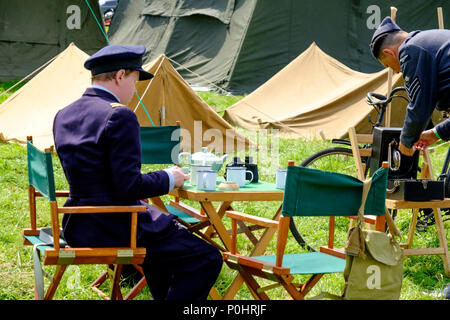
(233, 64)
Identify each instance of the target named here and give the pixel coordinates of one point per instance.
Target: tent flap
(219, 9)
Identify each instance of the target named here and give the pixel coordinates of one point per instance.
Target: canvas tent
(31, 109)
(317, 96)
(314, 93)
(32, 32)
(168, 98)
(239, 44)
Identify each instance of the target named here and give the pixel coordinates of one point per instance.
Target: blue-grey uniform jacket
(98, 143)
(425, 63)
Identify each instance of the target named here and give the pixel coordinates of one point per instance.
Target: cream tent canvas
(313, 96)
(168, 98)
(30, 110)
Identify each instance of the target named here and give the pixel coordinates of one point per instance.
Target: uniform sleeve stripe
(415, 89)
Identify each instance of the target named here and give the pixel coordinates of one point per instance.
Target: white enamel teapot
(203, 158)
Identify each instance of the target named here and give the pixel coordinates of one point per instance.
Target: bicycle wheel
(312, 232)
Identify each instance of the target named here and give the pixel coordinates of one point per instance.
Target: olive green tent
(33, 32)
(239, 44)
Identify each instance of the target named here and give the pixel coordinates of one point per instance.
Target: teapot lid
(204, 155)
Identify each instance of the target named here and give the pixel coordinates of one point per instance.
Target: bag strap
(393, 230)
(355, 245)
(366, 187)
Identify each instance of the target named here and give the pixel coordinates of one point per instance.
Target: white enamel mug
(237, 174)
(281, 178)
(194, 169)
(206, 180)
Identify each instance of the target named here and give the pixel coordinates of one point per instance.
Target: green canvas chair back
(312, 192)
(160, 145)
(40, 171)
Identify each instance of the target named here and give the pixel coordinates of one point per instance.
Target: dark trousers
(180, 265)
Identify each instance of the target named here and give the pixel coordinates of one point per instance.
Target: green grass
(4, 86)
(219, 102)
(421, 273)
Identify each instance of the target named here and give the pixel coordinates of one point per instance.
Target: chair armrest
(102, 209)
(235, 215)
(255, 263)
(188, 210)
(59, 193)
(268, 223)
(99, 209)
(62, 193)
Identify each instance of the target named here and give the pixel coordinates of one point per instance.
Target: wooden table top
(260, 191)
(402, 204)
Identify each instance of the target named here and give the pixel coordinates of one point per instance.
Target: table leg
(158, 204)
(412, 228)
(215, 217)
(442, 239)
(220, 212)
(443, 243)
(214, 295)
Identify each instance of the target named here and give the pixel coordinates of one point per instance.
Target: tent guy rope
(28, 76)
(107, 40)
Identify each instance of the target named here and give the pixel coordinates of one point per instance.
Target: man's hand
(179, 176)
(427, 138)
(405, 150)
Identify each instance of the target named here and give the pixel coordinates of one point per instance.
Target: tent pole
(163, 107)
(390, 74)
(440, 18)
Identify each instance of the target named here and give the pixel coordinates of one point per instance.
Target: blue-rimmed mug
(281, 178)
(206, 180)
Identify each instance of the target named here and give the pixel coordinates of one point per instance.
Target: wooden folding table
(442, 250)
(261, 191)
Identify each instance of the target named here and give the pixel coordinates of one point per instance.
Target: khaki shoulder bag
(374, 262)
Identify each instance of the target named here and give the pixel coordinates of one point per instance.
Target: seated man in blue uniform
(424, 59)
(97, 140)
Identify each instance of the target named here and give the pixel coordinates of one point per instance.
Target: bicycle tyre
(335, 159)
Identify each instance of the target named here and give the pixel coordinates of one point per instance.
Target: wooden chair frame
(61, 257)
(250, 267)
(175, 204)
(172, 207)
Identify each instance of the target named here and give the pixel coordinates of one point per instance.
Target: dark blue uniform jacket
(99, 147)
(425, 64)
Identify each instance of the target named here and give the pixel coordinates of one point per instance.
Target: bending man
(424, 59)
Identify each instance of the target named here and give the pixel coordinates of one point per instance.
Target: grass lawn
(6, 89)
(422, 274)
